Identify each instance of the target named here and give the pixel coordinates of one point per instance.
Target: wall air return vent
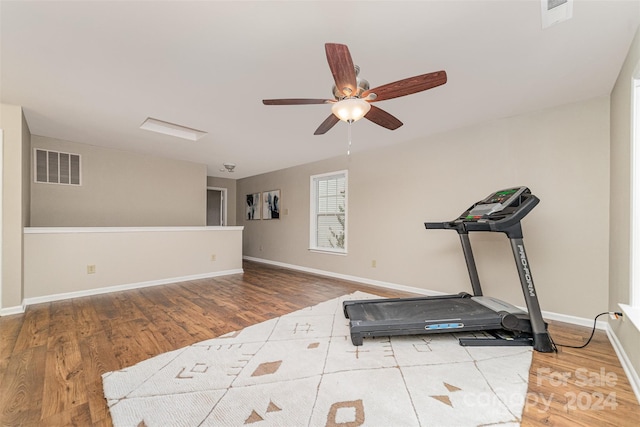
(555, 11)
(53, 167)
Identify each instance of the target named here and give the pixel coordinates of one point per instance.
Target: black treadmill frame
(507, 222)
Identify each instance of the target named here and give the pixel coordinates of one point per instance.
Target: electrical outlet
(213, 257)
(373, 263)
(91, 269)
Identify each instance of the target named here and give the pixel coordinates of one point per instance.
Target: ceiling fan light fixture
(350, 109)
(228, 167)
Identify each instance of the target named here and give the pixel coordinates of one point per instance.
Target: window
(328, 231)
(56, 168)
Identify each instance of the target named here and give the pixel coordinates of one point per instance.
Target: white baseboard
(129, 286)
(574, 320)
(8, 311)
(381, 284)
(388, 285)
(632, 375)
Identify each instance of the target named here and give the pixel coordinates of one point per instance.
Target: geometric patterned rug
(302, 370)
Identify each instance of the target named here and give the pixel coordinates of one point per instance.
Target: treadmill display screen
(500, 196)
(494, 203)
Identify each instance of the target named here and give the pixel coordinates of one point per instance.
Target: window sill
(327, 251)
(632, 313)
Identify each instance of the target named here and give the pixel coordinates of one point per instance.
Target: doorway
(216, 206)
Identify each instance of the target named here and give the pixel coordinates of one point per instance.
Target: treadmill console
(500, 211)
(495, 202)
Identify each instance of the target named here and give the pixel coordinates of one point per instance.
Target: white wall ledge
(58, 230)
(632, 313)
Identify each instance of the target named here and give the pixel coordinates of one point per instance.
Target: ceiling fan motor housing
(361, 83)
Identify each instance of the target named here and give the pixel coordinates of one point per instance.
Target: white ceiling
(91, 72)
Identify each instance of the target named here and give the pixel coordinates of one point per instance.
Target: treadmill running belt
(436, 310)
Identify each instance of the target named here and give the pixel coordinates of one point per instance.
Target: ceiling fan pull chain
(349, 136)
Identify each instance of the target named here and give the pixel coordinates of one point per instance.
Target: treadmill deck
(414, 316)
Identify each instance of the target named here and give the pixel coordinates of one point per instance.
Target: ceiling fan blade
(382, 118)
(407, 86)
(296, 101)
(341, 65)
(327, 125)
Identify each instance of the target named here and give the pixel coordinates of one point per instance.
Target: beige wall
(14, 204)
(120, 189)
(230, 185)
(56, 259)
(620, 226)
(561, 153)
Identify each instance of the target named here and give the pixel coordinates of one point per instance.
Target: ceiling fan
(353, 97)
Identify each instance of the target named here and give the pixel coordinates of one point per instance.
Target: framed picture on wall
(271, 204)
(253, 206)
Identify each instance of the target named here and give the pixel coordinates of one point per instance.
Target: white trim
(381, 284)
(56, 230)
(126, 287)
(328, 251)
(627, 366)
(395, 286)
(631, 313)
(574, 320)
(634, 261)
(19, 309)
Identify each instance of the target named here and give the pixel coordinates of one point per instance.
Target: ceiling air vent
(555, 11)
(160, 126)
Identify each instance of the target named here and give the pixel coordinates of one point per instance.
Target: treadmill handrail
(440, 225)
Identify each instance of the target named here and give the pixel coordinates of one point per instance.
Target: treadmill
(501, 323)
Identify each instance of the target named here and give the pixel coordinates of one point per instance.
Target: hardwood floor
(52, 356)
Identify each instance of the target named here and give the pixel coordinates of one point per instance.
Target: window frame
(634, 290)
(313, 215)
(632, 309)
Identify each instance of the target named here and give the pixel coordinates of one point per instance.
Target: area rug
(301, 369)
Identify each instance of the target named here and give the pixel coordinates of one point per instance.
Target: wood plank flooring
(52, 356)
